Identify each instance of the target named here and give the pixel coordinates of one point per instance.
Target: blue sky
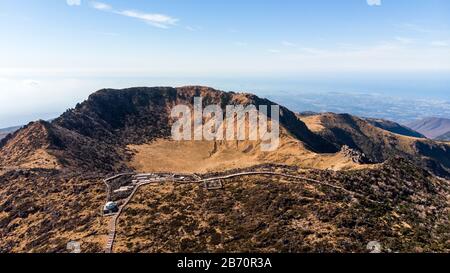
(56, 52)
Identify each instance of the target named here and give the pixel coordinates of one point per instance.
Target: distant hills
(378, 144)
(432, 127)
(444, 137)
(394, 127)
(401, 109)
(5, 131)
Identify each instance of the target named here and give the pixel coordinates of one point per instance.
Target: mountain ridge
(444, 137)
(432, 127)
(111, 119)
(394, 127)
(378, 144)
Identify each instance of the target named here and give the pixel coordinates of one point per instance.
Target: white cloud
(404, 40)
(193, 28)
(312, 51)
(40, 98)
(440, 43)
(73, 2)
(154, 19)
(347, 46)
(418, 28)
(237, 58)
(374, 2)
(111, 34)
(30, 83)
(240, 43)
(287, 43)
(274, 51)
(100, 6)
(386, 56)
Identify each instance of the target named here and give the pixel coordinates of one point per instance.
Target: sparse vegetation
(269, 214)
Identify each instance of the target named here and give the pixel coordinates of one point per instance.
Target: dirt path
(113, 222)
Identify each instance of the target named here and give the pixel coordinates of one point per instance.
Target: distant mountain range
(401, 109)
(432, 127)
(394, 127)
(444, 137)
(5, 131)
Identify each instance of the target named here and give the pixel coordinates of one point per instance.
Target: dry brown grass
(271, 214)
(313, 123)
(40, 211)
(317, 123)
(206, 156)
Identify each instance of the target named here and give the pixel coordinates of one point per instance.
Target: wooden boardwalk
(114, 218)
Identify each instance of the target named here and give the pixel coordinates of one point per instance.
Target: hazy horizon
(288, 92)
(55, 55)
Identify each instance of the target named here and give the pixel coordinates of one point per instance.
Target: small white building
(110, 207)
(124, 189)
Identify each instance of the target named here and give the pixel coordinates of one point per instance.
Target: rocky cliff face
(94, 135)
(138, 115)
